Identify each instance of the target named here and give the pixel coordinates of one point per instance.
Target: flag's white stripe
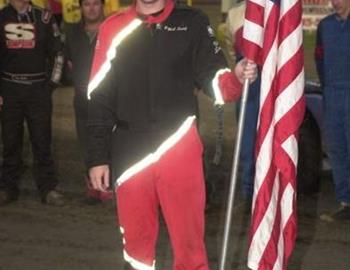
(264, 157)
(154, 157)
(291, 147)
(289, 97)
(280, 252)
(110, 55)
(259, 2)
(253, 32)
(262, 235)
(287, 204)
(286, 212)
(263, 163)
(137, 264)
(290, 46)
(286, 5)
(276, 58)
(285, 101)
(219, 100)
(267, 75)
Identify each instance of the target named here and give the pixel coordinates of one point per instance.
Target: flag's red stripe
(269, 256)
(290, 229)
(262, 200)
(287, 176)
(284, 159)
(252, 51)
(290, 21)
(271, 29)
(290, 234)
(266, 114)
(290, 70)
(286, 167)
(285, 76)
(270, 32)
(255, 13)
(289, 124)
(267, 109)
(277, 29)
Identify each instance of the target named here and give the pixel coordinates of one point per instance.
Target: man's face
(341, 7)
(92, 10)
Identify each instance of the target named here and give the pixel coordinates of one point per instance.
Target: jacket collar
(340, 19)
(159, 17)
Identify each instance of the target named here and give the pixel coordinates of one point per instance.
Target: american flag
(272, 37)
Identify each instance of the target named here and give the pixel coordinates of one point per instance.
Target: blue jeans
(247, 155)
(337, 137)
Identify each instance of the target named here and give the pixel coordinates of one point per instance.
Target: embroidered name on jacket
(175, 28)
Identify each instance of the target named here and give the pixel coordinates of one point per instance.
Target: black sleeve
(101, 121)
(55, 51)
(208, 57)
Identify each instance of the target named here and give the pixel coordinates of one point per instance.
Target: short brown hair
(81, 1)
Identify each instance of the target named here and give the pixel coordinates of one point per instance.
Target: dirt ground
(80, 237)
(77, 236)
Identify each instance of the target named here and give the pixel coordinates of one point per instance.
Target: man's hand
(70, 65)
(1, 102)
(246, 69)
(99, 177)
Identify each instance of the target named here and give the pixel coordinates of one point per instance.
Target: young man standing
(31, 61)
(79, 51)
(332, 57)
(148, 60)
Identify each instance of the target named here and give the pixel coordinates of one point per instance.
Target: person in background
(31, 61)
(79, 50)
(141, 123)
(332, 56)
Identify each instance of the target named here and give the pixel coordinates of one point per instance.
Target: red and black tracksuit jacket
(147, 80)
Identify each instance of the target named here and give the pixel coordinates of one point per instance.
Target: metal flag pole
(234, 175)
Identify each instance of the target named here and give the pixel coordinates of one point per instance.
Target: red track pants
(172, 178)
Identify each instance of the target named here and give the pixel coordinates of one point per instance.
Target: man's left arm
(211, 71)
